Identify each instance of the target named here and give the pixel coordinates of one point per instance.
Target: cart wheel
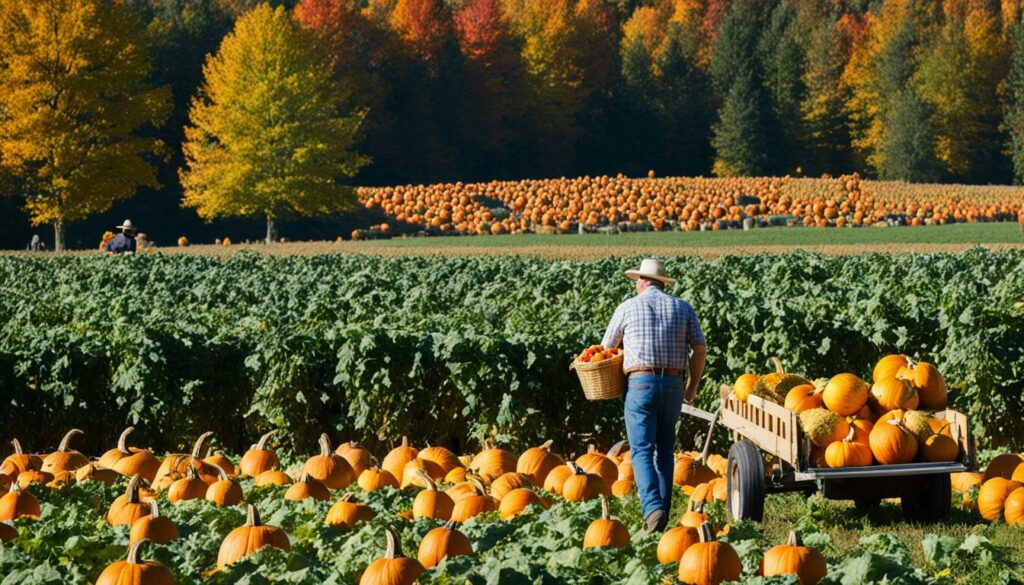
(745, 482)
(931, 503)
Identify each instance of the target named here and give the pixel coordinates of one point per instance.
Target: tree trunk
(58, 237)
(271, 230)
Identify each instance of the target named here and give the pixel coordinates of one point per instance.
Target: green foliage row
(455, 350)
(71, 544)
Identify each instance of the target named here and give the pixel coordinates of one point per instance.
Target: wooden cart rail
(776, 431)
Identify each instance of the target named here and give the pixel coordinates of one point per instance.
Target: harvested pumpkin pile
(898, 418)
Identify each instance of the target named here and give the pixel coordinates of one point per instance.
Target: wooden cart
(771, 454)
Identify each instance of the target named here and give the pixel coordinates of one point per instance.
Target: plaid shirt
(656, 330)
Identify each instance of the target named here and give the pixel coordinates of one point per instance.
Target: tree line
(240, 108)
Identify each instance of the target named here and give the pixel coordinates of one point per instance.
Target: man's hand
(691, 393)
(698, 358)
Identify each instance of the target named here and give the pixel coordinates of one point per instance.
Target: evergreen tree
(1013, 120)
(740, 140)
(783, 62)
(908, 150)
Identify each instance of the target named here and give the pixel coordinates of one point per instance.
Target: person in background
(124, 242)
(35, 245)
(662, 342)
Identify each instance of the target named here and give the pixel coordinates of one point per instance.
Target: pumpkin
(18, 462)
(93, 472)
(358, 457)
(462, 490)
(793, 558)
(224, 492)
(32, 477)
(140, 462)
(1013, 507)
(395, 460)
(889, 366)
(474, 505)
(18, 503)
(7, 532)
(128, 507)
(508, 482)
(940, 447)
(347, 511)
(803, 397)
(893, 393)
(1003, 465)
(134, 571)
(690, 471)
(991, 497)
(694, 515)
(438, 461)
(625, 469)
(176, 465)
(891, 443)
(606, 531)
(674, 542)
(849, 452)
(272, 477)
(430, 502)
(62, 479)
(220, 461)
(190, 487)
(456, 475)
(537, 462)
(515, 502)
(845, 394)
(599, 464)
(153, 527)
(928, 382)
(119, 452)
(249, 538)
(394, 568)
(718, 488)
(582, 486)
(623, 487)
(443, 541)
(967, 480)
(64, 459)
(374, 478)
(307, 487)
(556, 479)
(329, 469)
(775, 386)
(744, 386)
(709, 562)
(258, 458)
(492, 463)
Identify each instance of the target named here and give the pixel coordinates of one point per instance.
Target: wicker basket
(601, 380)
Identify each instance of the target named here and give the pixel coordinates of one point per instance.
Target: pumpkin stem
(576, 469)
(849, 435)
(478, 486)
(394, 550)
(374, 462)
(262, 444)
(707, 534)
(617, 448)
(605, 513)
(451, 525)
(192, 472)
(122, 441)
(591, 448)
(794, 539)
(63, 447)
(325, 445)
(405, 441)
(134, 551)
(428, 482)
(221, 474)
(348, 497)
(132, 491)
(15, 488)
(546, 446)
(942, 428)
(17, 447)
(252, 516)
(197, 449)
(154, 508)
(778, 365)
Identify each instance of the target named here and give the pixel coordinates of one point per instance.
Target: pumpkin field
(393, 394)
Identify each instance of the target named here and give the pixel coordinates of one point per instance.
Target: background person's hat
(651, 268)
(127, 225)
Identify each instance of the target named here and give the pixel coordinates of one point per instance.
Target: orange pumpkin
(893, 393)
(129, 507)
(347, 512)
(64, 459)
(108, 459)
(606, 531)
(793, 558)
(889, 366)
(259, 459)
(438, 461)
(891, 443)
(478, 503)
(928, 382)
(92, 472)
(154, 527)
(19, 461)
(175, 466)
(492, 463)
(431, 503)
(508, 482)
(394, 568)
(374, 478)
(845, 394)
(18, 503)
(272, 477)
(744, 386)
(674, 542)
(1003, 465)
(555, 480)
(224, 492)
(940, 447)
(358, 457)
(443, 542)
(328, 468)
(992, 496)
(249, 538)
(850, 452)
(537, 462)
(134, 571)
(803, 397)
(190, 487)
(599, 464)
(1013, 507)
(307, 487)
(516, 501)
(395, 460)
(582, 486)
(709, 562)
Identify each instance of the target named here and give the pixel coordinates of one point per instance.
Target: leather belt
(655, 371)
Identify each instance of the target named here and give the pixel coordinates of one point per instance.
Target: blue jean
(652, 411)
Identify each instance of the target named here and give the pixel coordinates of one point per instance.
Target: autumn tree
(75, 106)
(266, 135)
(1013, 120)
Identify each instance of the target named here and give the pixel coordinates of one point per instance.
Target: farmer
(124, 242)
(661, 341)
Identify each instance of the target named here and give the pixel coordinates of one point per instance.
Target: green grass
(990, 233)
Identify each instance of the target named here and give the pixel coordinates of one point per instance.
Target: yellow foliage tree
(73, 100)
(266, 135)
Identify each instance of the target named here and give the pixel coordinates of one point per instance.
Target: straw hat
(127, 225)
(651, 268)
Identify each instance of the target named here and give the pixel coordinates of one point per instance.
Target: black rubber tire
(931, 503)
(745, 482)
